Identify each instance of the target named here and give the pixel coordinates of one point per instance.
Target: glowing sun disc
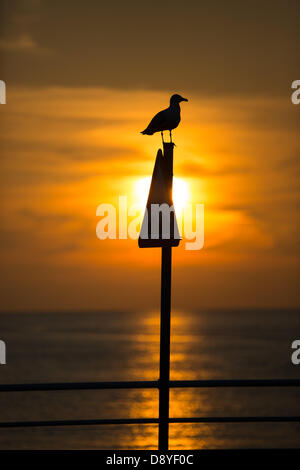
(181, 192)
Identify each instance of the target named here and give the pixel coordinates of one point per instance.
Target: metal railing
(149, 385)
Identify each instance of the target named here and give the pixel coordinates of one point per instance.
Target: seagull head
(176, 99)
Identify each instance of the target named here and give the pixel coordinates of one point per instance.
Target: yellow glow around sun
(181, 192)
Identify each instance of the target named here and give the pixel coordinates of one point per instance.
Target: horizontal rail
(238, 419)
(149, 384)
(77, 386)
(78, 422)
(235, 383)
(92, 422)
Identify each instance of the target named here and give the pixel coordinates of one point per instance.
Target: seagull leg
(162, 137)
(171, 141)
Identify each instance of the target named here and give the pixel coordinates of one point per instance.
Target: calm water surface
(212, 344)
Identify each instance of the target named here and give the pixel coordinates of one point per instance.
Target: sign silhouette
(159, 227)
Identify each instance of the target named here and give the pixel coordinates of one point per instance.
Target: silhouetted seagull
(167, 119)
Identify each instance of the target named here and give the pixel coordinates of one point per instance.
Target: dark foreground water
(88, 346)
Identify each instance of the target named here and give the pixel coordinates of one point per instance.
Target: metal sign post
(164, 363)
(153, 235)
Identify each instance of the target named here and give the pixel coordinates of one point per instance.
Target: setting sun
(181, 192)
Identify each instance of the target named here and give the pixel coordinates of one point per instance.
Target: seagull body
(166, 120)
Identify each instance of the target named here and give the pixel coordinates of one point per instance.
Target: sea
(124, 345)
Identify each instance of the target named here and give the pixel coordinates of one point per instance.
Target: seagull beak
(184, 99)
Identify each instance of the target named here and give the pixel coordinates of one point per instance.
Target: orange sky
(71, 144)
(66, 151)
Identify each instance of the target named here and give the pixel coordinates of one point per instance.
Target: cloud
(17, 34)
(213, 172)
(214, 51)
(22, 43)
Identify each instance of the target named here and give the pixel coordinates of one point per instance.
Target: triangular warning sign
(159, 227)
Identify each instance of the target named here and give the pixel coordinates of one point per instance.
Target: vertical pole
(165, 327)
(165, 317)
